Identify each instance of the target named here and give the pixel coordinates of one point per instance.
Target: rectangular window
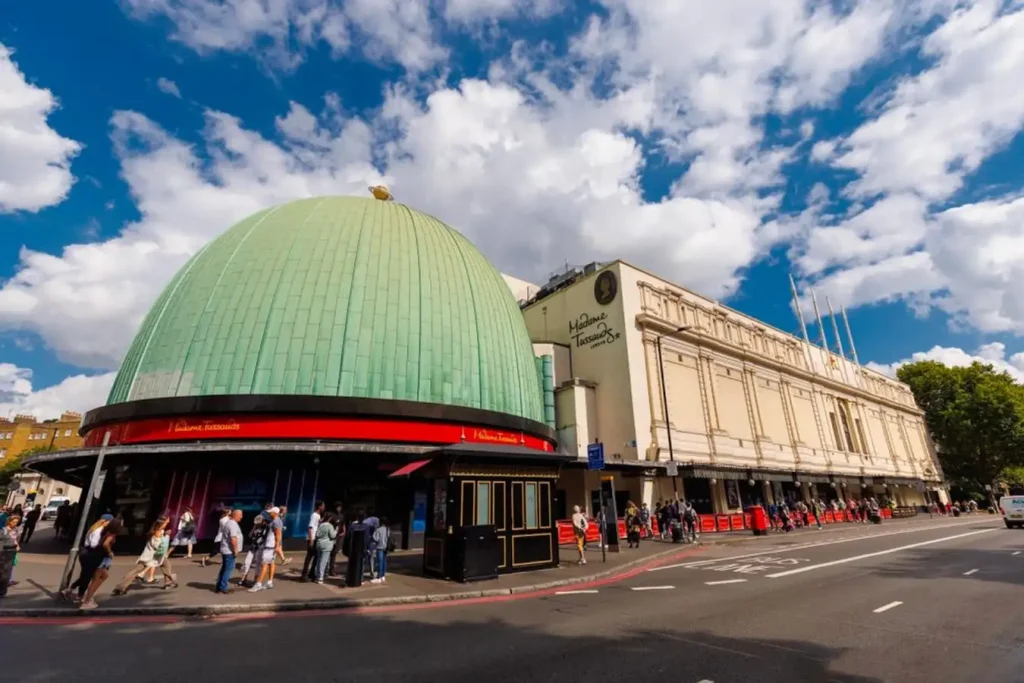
(499, 505)
(835, 429)
(483, 503)
(531, 505)
(67, 432)
(517, 505)
(544, 505)
(860, 433)
(844, 411)
(467, 508)
(3, 452)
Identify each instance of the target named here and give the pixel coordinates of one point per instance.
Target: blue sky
(872, 151)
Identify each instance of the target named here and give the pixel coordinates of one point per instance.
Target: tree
(975, 416)
(11, 465)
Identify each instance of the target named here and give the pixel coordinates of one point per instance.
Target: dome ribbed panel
(337, 296)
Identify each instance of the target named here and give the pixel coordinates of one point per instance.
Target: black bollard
(356, 541)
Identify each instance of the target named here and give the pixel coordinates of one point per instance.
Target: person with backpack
(690, 521)
(381, 545)
(257, 539)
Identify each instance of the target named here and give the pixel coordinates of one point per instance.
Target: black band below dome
(335, 406)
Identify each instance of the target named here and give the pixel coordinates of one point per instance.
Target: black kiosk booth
(491, 511)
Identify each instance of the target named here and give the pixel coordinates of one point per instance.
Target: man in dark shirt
(30, 523)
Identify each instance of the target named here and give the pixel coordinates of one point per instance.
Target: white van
(50, 511)
(1013, 511)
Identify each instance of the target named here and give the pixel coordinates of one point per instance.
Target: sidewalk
(38, 575)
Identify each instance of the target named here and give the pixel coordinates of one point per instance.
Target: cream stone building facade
(754, 414)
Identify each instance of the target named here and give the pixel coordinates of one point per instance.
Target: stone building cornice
(742, 352)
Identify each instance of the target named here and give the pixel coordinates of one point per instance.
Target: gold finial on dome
(382, 193)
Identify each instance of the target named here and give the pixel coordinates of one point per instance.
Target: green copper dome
(337, 296)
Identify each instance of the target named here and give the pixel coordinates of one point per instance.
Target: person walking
(632, 525)
(257, 537)
(225, 515)
(324, 542)
(310, 562)
(279, 525)
(339, 540)
(272, 541)
(186, 535)
(230, 545)
(89, 558)
(645, 521)
(106, 549)
(816, 511)
(31, 519)
(579, 530)
(149, 558)
(382, 545)
(9, 548)
(154, 556)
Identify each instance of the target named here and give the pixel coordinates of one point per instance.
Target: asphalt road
(941, 604)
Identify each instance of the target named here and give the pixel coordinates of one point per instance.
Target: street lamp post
(664, 399)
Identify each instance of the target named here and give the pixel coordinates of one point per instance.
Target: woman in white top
(89, 558)
(186, 535)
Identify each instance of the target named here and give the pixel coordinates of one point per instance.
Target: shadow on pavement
(416, 647)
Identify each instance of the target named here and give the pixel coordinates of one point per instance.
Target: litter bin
(758, 520)
(677, 531)
(356, 542)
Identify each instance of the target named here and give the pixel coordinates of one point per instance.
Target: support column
(647, 492)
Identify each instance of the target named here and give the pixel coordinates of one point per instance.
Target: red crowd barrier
(708, 524)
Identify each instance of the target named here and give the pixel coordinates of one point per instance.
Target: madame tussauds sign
(592, 331)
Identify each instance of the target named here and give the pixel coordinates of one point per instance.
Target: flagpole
(849, 334)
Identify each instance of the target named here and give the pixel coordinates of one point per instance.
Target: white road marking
(1016, 552)
(816, 544)
(575, 592)
(653, 588)
(970, 572)
(705, 680)
(886, 608)
(875, 554)
(722, 583)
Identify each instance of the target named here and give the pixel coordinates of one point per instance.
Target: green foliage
(11, 465)
(975, 416)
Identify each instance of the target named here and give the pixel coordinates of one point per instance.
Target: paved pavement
(919, 602)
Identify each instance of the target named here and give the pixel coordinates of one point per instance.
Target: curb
(334, 604)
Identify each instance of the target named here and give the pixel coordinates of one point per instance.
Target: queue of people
(326, 536)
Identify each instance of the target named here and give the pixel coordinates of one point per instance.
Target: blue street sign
(595, 456)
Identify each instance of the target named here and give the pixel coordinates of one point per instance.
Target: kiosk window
(531, 505)
(483, 503)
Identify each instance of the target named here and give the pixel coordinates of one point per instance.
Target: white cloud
(993, 354)
(34, 159)
(279, 32)
(77, 393)
(168, 87)
(930, 132)
(938, 126)
(545, 159)
(471, 11)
